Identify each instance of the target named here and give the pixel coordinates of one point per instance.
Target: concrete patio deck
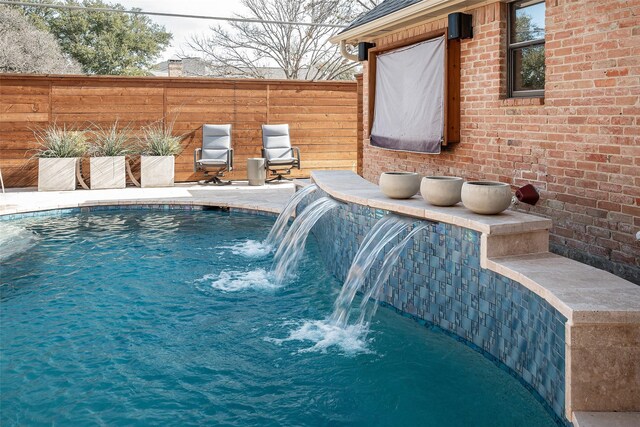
(269, 198)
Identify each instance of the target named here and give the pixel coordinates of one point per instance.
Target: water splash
(291, 248)
(250, 249)
(14, 240)
(256, 249)
(235, 281)
(278, 230)
(324, 334)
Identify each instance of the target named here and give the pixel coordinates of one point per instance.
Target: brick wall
(579, 145)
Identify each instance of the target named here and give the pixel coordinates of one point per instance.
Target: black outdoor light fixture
(363, 50)
(460, 26)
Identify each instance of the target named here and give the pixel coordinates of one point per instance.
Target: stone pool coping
(515, 245)
(606, 419)
(349, 187)
(269, 198)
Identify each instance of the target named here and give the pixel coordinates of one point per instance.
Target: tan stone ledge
(270, 198)
(606, 419)
(349, 187)
(583, 294)
(515, 245)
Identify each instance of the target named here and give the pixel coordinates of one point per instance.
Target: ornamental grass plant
(111, 141)
(157, 139)
(59, 141)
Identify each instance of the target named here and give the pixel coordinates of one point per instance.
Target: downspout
(344, 53)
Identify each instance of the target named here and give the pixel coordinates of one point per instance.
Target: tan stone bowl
(486, 197)
(441, 190)
(399, 185)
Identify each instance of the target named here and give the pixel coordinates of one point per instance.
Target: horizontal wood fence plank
(110, 91)
(24, 117)
(107, 99)
(8, 89)
(60, 108)
(31, 107)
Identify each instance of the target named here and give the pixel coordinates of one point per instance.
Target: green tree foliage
(103, 42)
(532, 60)
(533, 67)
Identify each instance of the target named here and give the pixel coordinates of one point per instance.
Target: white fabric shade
(409, 99)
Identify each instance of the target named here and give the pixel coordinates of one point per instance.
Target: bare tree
(368, 4)
(26, 49)
(300, 52)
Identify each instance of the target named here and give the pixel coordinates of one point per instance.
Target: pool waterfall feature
(489, 282)
(291, 247)
(439, 282)
(273, 242)
(286, 259)
(387, 265)
(278, 231)
(381, 235)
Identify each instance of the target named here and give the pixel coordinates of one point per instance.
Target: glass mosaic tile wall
(439, 281)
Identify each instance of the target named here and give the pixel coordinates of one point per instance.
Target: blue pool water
(170, 318)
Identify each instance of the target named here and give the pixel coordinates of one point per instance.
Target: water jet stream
(291, 248)
(258, 249)
(336, 329)
(383, 232)
(278, 230)
(376, 287)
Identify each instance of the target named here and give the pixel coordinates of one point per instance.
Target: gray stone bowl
(399, 185)
(441, 190)
(486, 197)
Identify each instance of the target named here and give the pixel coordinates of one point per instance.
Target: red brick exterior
(579, 145)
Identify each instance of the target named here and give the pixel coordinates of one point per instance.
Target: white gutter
(426, 9)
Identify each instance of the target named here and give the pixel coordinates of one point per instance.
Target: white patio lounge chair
(280, 156)
(216, 154)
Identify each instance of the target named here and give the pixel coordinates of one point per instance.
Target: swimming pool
(148, 317)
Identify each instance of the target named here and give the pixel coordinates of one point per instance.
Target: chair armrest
(264, 156)
(296, 153)
(196, 156)
(230, 159)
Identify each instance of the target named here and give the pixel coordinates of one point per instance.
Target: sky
(182, 28)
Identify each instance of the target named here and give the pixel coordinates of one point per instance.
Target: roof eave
(424, 10)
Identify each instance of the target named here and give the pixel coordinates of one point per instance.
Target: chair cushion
(214, 154)
(216, 137)
(212, 162)
(278, 154)
(280, 141)
(275, 136)
(283, 161)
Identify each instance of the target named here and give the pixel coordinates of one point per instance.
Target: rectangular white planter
(157, 171)
(57, 174)
(107, 172)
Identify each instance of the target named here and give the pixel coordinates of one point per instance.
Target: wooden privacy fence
(323, 116)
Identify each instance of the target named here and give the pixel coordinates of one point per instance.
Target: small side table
(256, 172)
